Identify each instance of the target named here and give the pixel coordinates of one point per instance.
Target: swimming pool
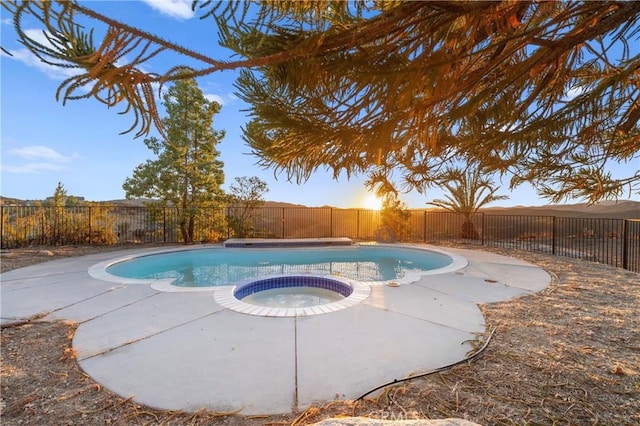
(217, 266)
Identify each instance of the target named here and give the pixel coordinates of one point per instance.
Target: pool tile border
(327, 282)
(224, 296)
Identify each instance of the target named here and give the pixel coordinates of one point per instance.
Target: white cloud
(29, 59)
(215, 98)
(26, 57)
(574, 92)
(33, 152)
(34, 168)
(224, 99)
(179, 9)
(6, 21)
(39, 158)
(38, 36)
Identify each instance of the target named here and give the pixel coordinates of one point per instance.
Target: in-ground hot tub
(293, 295)
(293, 291)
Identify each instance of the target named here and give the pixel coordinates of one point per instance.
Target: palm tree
(469, 190)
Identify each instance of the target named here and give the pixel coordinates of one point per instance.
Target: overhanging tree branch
(376, 87)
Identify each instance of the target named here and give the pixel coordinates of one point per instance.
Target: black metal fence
(615, 242)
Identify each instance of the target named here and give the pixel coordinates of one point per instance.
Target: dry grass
(569, 355)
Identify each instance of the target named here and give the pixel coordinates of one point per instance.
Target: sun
(372, 202)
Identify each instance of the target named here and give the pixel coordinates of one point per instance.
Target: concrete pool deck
(183, 351)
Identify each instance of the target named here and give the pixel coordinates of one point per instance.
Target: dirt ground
(569, 355)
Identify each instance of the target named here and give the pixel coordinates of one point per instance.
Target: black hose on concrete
(437, 370)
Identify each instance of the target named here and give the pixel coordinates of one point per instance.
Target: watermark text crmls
(394, 415)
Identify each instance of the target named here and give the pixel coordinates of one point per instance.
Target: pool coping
(287, 242)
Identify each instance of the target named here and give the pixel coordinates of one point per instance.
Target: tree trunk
(468, 231)
(192, 223)
(185, 232)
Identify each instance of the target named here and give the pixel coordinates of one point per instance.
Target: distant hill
(9, 200)
(623, 209)
(281, 204)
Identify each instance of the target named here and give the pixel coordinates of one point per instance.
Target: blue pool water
(226, 266)
(297, 291)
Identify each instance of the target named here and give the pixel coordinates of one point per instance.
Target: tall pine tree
(187, 173)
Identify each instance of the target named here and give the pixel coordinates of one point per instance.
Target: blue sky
(44, 142)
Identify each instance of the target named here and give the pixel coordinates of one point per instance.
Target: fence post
(424, 225)
(2, 226)
(482, 233)
(357, 224)
(90, 228)
(553, 236)
(283, 222)
(164, 224)
(331, 222)
(625, 243)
